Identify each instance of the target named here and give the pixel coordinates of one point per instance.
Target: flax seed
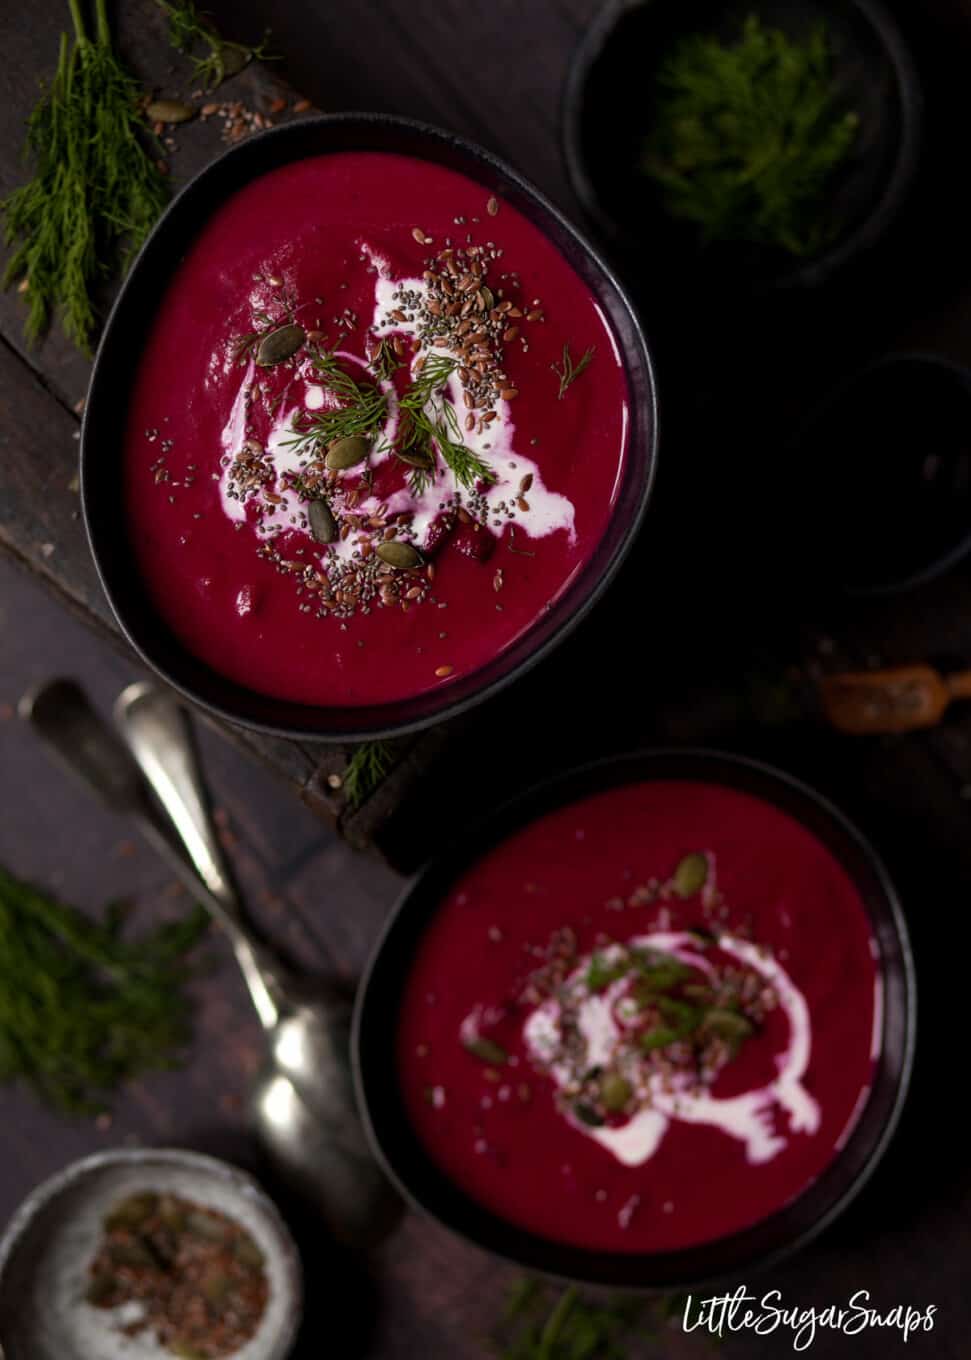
(443, 671)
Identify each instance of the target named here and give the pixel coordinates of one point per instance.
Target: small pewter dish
(49, 1243)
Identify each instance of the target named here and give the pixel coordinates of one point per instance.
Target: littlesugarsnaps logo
(723, 1314)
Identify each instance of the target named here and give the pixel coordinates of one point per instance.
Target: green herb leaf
(431, 425)
(659, 1037)
(567, 371)
(748, 137)
(363, 411)
(83, 1009)
(541, 1322)
(96, 192)
(601, 973)
(369, 765)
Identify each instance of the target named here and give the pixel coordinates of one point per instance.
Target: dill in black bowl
(748, 135)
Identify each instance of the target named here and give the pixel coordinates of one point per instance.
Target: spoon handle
(158, 734)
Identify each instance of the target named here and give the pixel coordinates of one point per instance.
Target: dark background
(706, 639)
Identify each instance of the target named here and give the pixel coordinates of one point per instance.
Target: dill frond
(433, 425)
(370, 763)
(748, 137)
(364, 409)
(568, 371)
(95, 193)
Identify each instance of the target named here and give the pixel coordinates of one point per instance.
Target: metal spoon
(303, 1102)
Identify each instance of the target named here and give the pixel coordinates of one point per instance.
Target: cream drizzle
(548, 512)
(749, 1117)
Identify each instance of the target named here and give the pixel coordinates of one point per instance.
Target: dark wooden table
(695, 644)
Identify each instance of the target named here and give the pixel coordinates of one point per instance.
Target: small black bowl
(881, 501)
(428, 1189)
(102, 436)
(606, 113)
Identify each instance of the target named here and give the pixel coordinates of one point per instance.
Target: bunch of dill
(747, 137)
(96, 191)
(83, 1009)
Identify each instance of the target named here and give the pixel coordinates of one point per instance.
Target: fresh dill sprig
(189, 27)
(748, 137)
(96, 192)
(419, 480)
(82, 1008)
(369, 764)
(568, 371)
(433, 424)
(542, 1322)
(363, 411)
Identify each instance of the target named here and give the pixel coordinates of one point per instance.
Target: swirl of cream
(748, 1117)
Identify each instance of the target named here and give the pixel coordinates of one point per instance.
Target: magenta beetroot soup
(378, 427)
(646, 1021)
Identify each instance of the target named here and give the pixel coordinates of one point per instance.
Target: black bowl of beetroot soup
(370, 430)
(651, 1025)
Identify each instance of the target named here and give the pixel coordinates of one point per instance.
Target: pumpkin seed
(400, 555)
(615, 1091)
(233, 58)
(488, 297)
(347, 453)
(169, 111)
(323, 525)
(691, 874)
(279, 345)
(728, 1024)
(489, 1052)
(659, 1037)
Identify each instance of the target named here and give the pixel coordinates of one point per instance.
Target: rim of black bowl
(960, 375)
(803, 274)
(120, 350)
(429, 1190)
